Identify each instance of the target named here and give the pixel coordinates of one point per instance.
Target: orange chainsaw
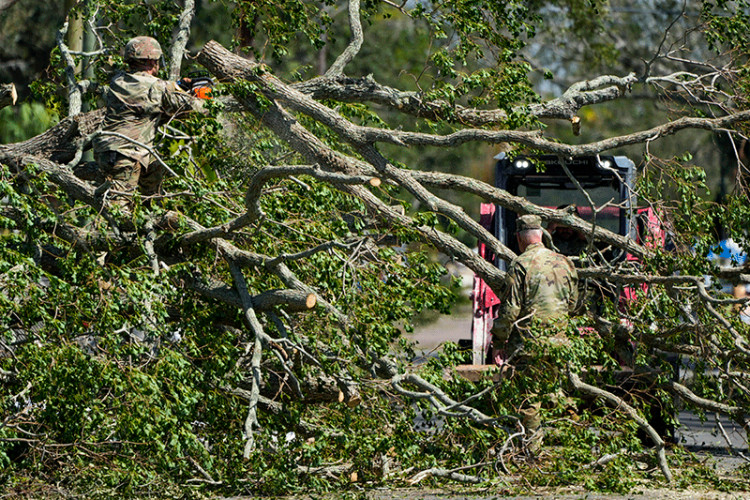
(200, 87)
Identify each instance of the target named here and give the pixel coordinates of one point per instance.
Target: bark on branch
(355, 43)
(60, 143)
(180, 38)
(251, 421)
(291, 300)
(366, 89)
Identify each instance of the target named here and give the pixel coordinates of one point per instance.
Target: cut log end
(375, 182)
(8, 95)
(576, 123)
(311, 301)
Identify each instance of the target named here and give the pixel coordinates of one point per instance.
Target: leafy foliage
(130, 359)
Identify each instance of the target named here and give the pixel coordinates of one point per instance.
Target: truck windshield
(602, 196)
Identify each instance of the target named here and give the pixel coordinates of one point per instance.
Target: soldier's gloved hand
(185, 83)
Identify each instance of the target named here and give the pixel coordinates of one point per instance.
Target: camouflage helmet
(142, 47)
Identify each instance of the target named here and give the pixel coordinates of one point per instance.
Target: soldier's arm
(573, 299)
(510, 306)
(174, 100)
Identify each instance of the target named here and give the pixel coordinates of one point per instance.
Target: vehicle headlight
(522, 164)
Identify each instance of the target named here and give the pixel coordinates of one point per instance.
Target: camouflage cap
(527, 222)
(142, 47)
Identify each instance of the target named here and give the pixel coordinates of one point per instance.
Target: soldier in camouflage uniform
(542, 285)
(137, 103)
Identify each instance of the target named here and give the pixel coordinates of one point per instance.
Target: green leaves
(279, 23)
(727, 25)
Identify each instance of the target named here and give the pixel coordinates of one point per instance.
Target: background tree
(241, 333)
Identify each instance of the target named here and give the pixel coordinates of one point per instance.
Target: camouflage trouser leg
(531, 406)
(532, 423)
(151, 179)
(120, 171)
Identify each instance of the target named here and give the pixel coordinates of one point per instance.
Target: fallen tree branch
(231, 67)
(603, 460)
(292, 300)
(61, 142)
(366, 89)
(736, 413)
(274, 89)
(251, 422)
(441, 402)
(447, 474)
(207, 477)
(619, 404)
(330, 469)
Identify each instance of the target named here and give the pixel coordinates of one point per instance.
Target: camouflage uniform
(137, 103)
(542, 285)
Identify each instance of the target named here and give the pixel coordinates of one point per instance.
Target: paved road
(708, 436)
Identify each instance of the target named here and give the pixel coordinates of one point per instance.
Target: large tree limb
(275, 89)
(366, 89)
(61, 142)
(60, 176)
(602, 89)
(292, 300)
(231, 67)
(565, 107)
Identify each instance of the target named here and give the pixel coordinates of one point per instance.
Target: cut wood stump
(8, 95)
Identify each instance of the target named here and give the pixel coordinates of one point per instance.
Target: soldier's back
(550, 283)
(134, 110)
